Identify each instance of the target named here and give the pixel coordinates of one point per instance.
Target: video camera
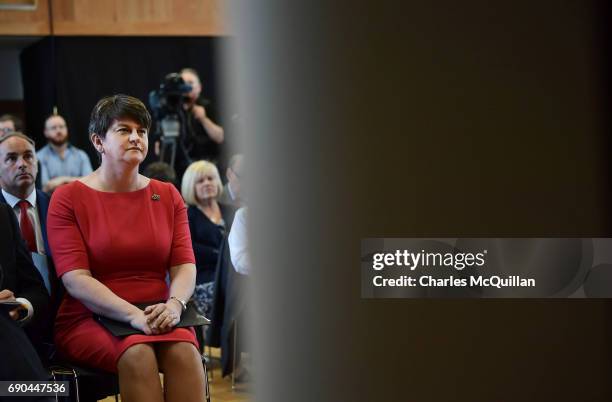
(169, 98)
(167, 106)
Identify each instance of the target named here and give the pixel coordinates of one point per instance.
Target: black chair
(86, 384)
(90, 385)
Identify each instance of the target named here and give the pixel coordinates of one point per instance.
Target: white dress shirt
(238, 243)
(32, 214)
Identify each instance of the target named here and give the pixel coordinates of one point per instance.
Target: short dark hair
(16, 121)
(117, 107)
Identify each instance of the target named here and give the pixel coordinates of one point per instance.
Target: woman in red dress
(115, 236)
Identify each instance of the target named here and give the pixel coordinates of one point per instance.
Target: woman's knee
(137, 358)
(182, 354)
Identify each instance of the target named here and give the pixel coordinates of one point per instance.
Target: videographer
(199, 137)
(198, 117)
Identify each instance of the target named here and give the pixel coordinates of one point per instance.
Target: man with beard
(18, 170)
(60, 161)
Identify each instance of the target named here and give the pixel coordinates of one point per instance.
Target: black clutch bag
(189, 318)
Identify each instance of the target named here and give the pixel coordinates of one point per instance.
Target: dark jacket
(207, 238)
(42, 332)
(19, 274)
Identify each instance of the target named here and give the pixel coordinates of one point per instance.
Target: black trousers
(18, 359)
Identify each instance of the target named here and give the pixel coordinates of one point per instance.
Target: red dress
(128, 241)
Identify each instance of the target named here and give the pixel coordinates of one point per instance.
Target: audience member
(60, 161)
(115, 236)
(208, 220)
(160, 171)
(239, 244)
(10, 123)
(18, 172)
(20, 283)
(232, 193)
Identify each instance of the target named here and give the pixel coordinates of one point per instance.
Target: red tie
(27, 231)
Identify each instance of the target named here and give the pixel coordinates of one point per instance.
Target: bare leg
(183, 371)
(139, 375)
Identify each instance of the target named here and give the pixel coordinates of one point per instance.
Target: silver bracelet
(182, 302)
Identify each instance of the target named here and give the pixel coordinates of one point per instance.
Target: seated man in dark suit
(18, 171)
(20, 281)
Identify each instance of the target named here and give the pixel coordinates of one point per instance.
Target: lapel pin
(155, 197)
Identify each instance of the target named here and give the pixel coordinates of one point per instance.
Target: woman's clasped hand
(157, 318)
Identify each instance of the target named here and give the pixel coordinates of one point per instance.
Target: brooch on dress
(155, 197)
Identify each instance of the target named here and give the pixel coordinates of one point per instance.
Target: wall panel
(137, 17)
(25, 22)
(115, 18)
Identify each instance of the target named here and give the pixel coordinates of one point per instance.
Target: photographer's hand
(214, 131)
(199, 113)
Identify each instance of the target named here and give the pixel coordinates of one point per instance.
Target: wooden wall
(25, 22)
(114, 17)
